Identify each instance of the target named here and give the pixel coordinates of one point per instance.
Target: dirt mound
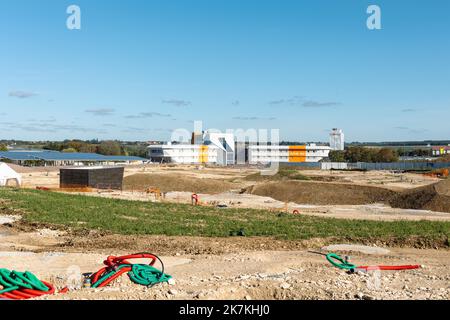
(283, 174)
(443, 187)
(173, 182)
(322, 193)
(435, 197)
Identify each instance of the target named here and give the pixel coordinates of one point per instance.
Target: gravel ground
(284, 275)
(228, 268)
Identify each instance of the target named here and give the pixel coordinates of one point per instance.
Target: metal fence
(334, 166)
(309, 165)
(401, 166)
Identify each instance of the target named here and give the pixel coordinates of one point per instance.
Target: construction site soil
(331, 188)
(174, 182)
(223, 268)
(246, 267)
(435, 197)
(319, 193)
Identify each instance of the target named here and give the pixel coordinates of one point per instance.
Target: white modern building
(183, 154)
(220, 149)
(287, 154)
(337, 139)
(212, 148)
(225, 143)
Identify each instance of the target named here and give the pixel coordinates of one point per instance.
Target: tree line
(374, 154)
(363, 154)
(107, 148)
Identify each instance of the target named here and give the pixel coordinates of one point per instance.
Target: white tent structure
(8, 177)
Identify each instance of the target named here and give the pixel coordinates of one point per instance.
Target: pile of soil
(317, 193)
(435, 197)
(285, 174)
(172, 182)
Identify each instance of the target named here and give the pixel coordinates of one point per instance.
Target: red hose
(406, 267)
(113, 262)
(42, 188)
(23, 294)
(97, 275)
(113, 277)
(12, 296)
(195, 198)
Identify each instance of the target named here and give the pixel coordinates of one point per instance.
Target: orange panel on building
(297, 153)
(203, 155)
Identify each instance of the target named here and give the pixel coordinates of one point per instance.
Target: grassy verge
(133, 217)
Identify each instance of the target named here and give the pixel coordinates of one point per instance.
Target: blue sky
(140, 68)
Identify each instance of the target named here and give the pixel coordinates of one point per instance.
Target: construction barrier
(400, 166)
(334, 166)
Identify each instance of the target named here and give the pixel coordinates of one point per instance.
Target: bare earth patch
(172, 182)
(224, 270)
(321, 193)
(245, 267)
(435, 197)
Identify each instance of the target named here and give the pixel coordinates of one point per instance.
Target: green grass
(145, 218)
